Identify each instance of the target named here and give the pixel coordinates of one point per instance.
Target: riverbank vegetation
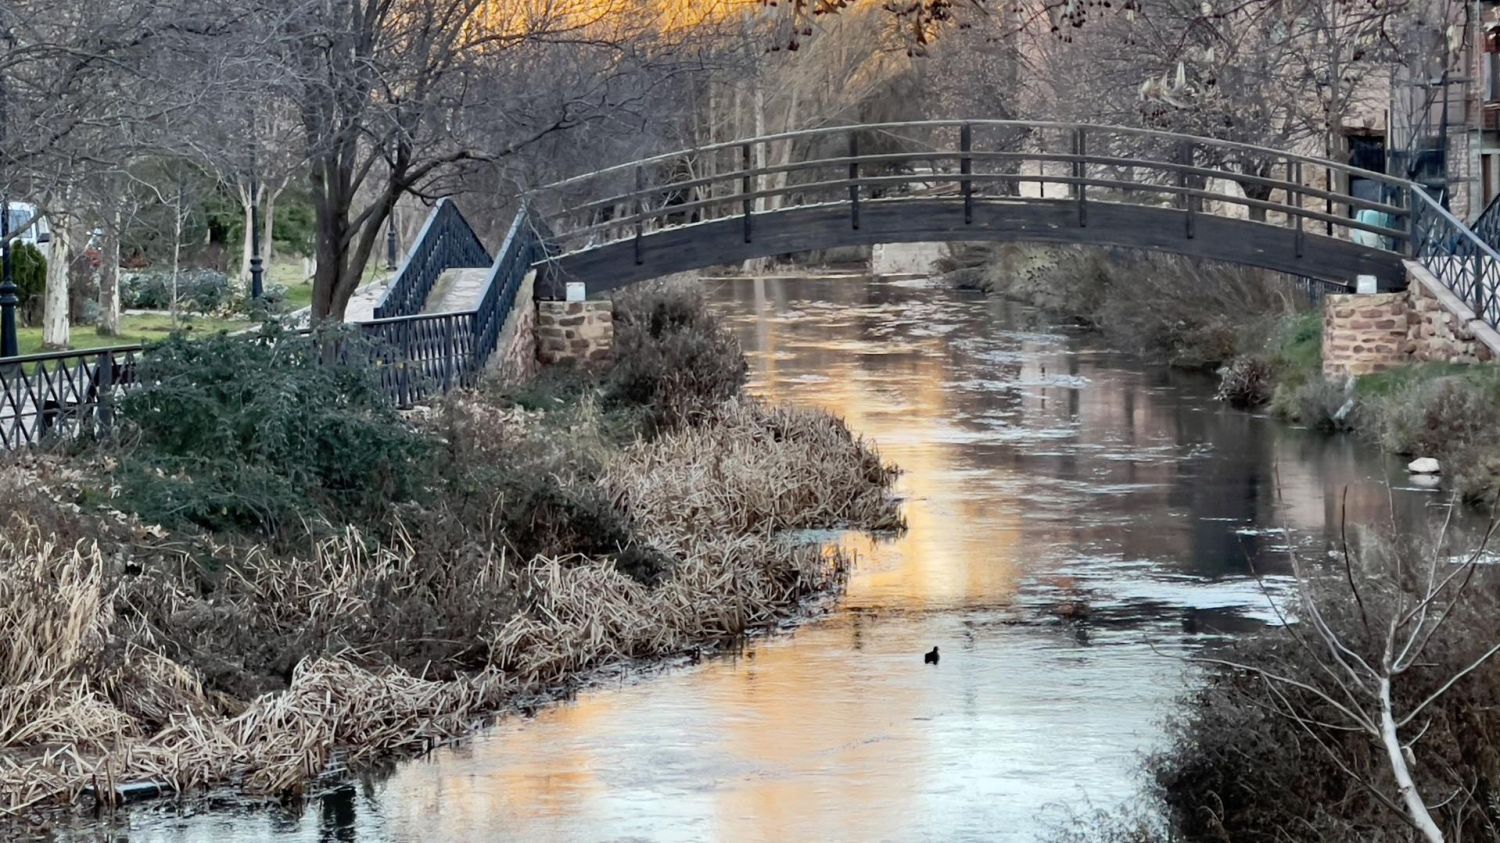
(1370, 718)
(1263, 337)
(272, 576)
(1190, 314)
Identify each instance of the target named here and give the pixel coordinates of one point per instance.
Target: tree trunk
(1415, 807)
(55, 325)
(266, 252)
(176, 252)
(247, 207)
(109, 277)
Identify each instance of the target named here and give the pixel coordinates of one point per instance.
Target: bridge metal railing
(1459, 257)
(446, 241)
(63, 395)
(975, 162)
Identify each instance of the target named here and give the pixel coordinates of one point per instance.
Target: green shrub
(29, 271)
(672, 355)
(198, 290)
(243, 433)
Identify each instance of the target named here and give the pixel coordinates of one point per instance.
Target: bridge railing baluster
(966, 169)
(854, 179)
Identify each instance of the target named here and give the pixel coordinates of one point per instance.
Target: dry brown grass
(754, 470)
(109, 677)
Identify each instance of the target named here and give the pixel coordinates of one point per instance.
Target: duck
(931, 658)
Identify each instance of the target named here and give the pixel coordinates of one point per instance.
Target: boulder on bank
(1424, 465)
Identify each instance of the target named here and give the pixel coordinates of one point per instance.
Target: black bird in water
(930, 658)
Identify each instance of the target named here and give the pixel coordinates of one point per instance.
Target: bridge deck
(724, 241)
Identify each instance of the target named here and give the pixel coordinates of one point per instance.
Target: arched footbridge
(999, 181)
(452, 301)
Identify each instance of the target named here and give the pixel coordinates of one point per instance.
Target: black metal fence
(66, 394)
(62, 394)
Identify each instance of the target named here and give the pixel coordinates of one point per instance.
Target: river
(1079, 521)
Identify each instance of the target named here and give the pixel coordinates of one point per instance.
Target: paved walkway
(361, 307)
(457, 289)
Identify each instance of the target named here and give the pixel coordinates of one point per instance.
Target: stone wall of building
(580, 332)
(1424, 324)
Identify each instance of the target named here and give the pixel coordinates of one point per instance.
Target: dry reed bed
(754, 469)
(95, 688)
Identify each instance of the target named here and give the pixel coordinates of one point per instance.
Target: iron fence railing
(417, 356)
(446, 242)
(62, 394)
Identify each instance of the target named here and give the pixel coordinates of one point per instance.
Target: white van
(38, 235)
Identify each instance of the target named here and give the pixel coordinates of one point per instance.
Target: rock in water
(1425, 465)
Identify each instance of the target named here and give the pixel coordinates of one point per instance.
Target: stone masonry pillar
(577, 332)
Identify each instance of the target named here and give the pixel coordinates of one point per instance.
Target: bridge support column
(575, 332)
(1363, 334)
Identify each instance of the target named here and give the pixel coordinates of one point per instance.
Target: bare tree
(1372, 676)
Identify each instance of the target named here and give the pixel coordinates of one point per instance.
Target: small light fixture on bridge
(576, 291)
(1366, 285)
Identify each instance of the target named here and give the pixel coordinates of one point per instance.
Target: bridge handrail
(1487, 224)
(1308, 191)
(1024, 125)
(1457, 256)
(446, 241)
(525, 244)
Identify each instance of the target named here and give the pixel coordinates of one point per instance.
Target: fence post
(403, 365)
(1295, 200)
(1079, 171)
(104, 383)
(1184, 160)
(640, 210)
(745, 187)
(1328, 200)
(1478, 282)
(966, 168)
(854, 179)
(1414, 245)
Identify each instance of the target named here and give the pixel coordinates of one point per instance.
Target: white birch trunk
(176, 253)
(55, 325)
(266, 252)
(109, 277)
(1415, 807)
(247, 208)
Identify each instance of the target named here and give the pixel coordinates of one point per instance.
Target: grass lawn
(146, 327)
(134, 329)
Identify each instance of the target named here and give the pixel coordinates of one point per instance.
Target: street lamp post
(257, 270)
(9, 342)
(390, 242)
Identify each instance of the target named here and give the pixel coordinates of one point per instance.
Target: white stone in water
(1424, 465)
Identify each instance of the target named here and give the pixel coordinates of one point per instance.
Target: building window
(1490, 62)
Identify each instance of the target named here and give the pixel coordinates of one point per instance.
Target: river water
(1079, 521)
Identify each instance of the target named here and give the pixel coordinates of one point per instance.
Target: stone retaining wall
(1425, 323)
(1442, 327)
(580, 332)
(515, 358)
